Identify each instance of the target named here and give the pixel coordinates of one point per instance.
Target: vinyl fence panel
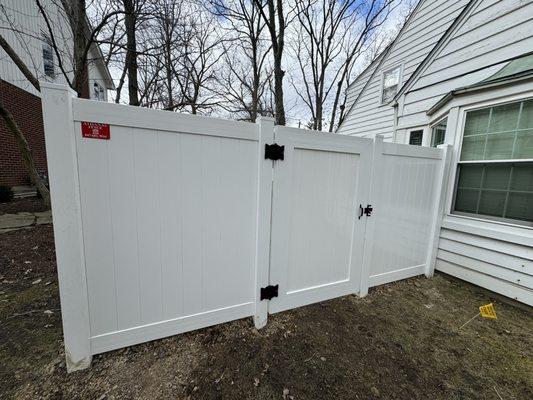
(400, 240)
(168, 217)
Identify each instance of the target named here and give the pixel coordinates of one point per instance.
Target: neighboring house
(472, 87)
(25, 30)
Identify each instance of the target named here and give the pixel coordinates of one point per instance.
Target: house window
(438, 133)
(495, 171)
(98, 92)
(48, 57)
(391, 82)
(415, 137)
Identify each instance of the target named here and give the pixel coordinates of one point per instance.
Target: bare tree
(374, 14)
(275, 20)
(331, 38)
(245, 80)
(131, 53)
(83, 38)
(196, 65)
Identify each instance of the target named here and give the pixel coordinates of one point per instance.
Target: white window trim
(433, 124)
(457, 146)
(382, 81)
(422, 128)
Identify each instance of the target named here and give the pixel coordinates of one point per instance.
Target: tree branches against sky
(215, 57)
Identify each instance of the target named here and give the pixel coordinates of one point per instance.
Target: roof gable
(422, 30)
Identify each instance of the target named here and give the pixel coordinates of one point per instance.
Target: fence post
(60, 139)
(264, 211)
(377, 152)
(438, 211)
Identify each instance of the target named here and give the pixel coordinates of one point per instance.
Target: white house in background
(25, 30)
(461, 72)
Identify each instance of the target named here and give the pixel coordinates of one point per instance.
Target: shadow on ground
(401, 342)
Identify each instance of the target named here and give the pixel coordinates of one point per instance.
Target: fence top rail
(307, 137)
(405, 150)
(160, 120)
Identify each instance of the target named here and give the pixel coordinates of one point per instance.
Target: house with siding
(25, 30)
(461, 73)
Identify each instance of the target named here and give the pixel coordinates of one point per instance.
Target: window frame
(425, 134)
(454, 175)
(408, 136)
(382, 84)
(433, 125)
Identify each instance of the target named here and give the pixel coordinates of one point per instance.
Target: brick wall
(26, 108)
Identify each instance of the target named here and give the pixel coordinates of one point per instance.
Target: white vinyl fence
(166, 223)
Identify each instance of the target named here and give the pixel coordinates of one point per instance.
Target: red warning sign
(95, 130)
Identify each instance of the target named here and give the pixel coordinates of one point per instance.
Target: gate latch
(274, 152)
(366, 210)
(269, 292)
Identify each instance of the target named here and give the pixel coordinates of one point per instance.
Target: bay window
(495, 171)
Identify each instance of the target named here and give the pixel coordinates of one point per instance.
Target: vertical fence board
(97, 231)
(123, 206)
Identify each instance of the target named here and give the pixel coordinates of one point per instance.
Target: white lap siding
(430, 20)
(493, 33)
(490, 255)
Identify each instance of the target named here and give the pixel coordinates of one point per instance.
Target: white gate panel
(317, 238)
(406, 196)
(169, 226)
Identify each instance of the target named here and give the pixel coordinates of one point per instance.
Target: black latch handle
(366, 210)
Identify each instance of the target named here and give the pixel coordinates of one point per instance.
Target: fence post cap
(45, 85)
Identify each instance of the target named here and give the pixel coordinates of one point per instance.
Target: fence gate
(320, 190)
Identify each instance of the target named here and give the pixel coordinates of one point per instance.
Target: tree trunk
(19, 63)
(278, 71)
(131, 53)
(335, 104)
(80, 82)
(278, 90)
(25, 151)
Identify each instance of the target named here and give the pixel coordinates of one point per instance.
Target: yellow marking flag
(487, 311)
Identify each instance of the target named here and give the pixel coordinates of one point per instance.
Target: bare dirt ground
(401, 342)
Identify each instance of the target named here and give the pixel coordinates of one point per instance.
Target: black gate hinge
(365, 210)
(274, 152)
(269, 292)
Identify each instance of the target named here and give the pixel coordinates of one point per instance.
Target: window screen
(495, 172)
(415, 137)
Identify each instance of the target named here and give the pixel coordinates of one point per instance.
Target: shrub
(6, 194)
